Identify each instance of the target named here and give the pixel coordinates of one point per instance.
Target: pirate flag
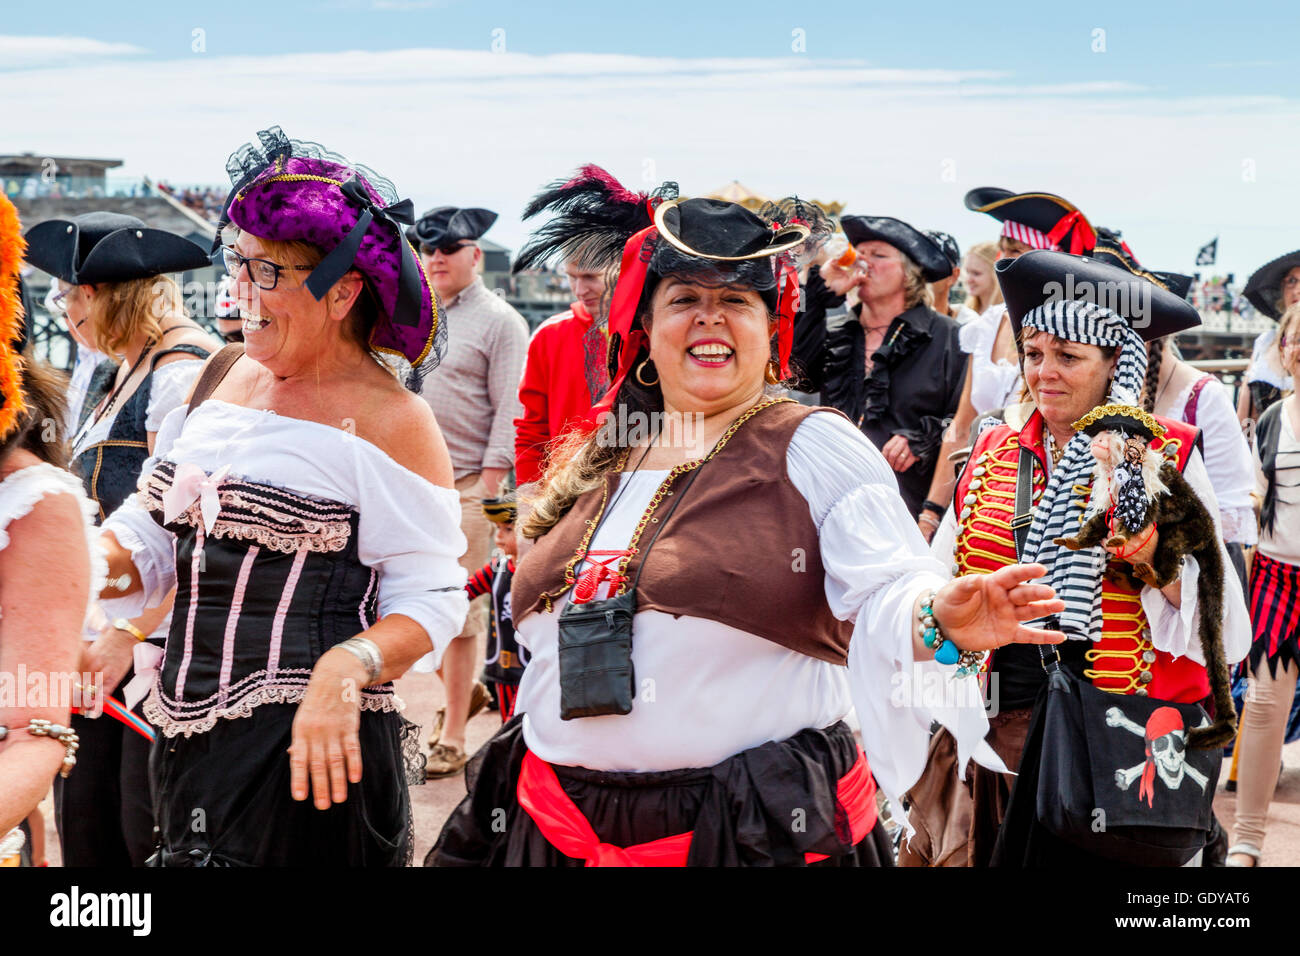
(1206, 255)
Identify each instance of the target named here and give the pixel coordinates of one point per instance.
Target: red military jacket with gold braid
(1123, 661)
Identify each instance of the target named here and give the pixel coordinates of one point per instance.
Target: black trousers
(103, 809)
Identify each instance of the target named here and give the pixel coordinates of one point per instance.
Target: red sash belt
(566, 829)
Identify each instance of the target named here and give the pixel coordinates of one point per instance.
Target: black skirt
(223, 798)
(766, 806)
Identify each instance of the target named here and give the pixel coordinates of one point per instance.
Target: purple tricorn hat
(292, 191)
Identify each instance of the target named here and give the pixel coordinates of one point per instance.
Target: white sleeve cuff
(153, 552)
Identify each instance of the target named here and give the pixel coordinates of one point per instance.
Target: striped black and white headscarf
(1076, 575)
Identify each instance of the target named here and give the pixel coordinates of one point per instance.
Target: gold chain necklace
(664, 490)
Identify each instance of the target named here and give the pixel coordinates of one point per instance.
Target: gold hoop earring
(641, 368)
(772, 373)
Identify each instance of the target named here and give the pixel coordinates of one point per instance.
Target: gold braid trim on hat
(1121, 411)
(12, 247)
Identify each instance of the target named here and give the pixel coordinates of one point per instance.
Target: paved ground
(437, 798)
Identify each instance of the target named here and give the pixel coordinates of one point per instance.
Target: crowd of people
(763, 535)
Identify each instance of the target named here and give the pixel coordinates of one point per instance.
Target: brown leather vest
(741, 548)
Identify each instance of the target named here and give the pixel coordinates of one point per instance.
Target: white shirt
(993, 384)
(1283, 543)
(409, 529)
(1228, 459)
(1263, 363)
(706, 691)
(170, 384)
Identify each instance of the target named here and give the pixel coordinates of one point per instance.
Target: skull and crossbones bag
(1115, 776)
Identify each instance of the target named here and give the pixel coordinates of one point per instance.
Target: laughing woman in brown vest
(719, 576)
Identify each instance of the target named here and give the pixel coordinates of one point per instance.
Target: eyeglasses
(59, 301)
(264, 273)
(448, 250)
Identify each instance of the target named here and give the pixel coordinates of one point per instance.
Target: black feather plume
(593, 216)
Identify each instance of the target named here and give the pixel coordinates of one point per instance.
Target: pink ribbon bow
(146, 658)
(192, 484)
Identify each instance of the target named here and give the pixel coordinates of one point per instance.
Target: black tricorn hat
(1037, 210)
(448, 224)
(1113, 249)
(922, 249)
(723, 231)
(1042, 276)
(1128, 418)
(109, 247)
(1264, 287)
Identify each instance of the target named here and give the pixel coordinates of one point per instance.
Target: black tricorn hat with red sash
(1039, 220)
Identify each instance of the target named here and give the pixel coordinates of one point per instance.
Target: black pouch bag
(1116, 778)
(595, 657)
(595, 644)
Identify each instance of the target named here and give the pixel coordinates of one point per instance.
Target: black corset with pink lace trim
(260, 595)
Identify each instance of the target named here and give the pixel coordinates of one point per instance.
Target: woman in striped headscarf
(1080, 325)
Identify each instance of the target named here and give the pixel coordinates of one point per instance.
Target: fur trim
(12, 247)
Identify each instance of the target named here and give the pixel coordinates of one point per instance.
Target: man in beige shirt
(474, 394)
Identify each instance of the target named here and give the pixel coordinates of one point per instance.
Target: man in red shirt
(567, 368)
(565, 371)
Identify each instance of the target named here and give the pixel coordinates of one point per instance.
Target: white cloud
(472, 127)
(19, 52)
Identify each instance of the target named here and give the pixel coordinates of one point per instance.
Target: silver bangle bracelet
(366, 651)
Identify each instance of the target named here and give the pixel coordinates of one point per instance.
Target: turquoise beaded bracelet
(945, 651)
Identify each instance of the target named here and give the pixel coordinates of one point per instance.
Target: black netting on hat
(247, 162)
(793, 210)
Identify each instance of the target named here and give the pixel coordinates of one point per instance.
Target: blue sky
(1183, 125)
(1190, 46)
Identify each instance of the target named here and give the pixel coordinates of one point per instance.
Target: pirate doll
(1136, 492)
(505, 660)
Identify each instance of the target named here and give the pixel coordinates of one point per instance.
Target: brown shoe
(445, 761)
(479, 698)
(435, 733)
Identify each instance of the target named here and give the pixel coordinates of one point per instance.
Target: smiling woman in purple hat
(279, 504)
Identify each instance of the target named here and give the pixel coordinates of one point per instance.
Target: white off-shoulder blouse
(409, 529)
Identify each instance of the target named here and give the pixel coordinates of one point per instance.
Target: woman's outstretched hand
(979, 612)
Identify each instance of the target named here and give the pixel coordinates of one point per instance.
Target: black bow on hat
(341, 257)
(925, 251)
(108, 247)
(447, 224)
